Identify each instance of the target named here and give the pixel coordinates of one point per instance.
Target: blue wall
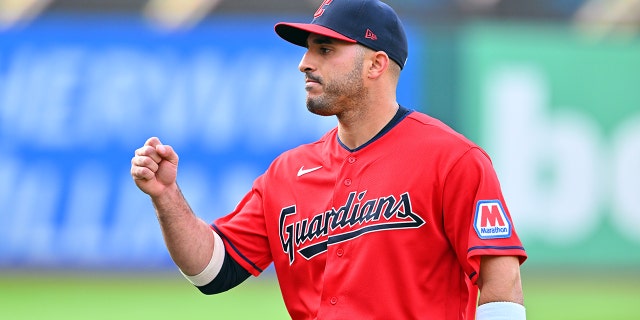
(79, 95)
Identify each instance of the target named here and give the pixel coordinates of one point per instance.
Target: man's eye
(324, 50)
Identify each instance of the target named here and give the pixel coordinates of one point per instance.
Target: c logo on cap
(321, 9)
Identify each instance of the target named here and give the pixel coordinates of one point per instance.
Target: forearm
(500, 289)
(189, 239)
(500, 280)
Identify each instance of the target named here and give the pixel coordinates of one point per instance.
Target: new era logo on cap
(371, 23)
(370, 35)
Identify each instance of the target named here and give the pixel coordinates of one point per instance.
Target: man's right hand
(154, 167)
(189, 239)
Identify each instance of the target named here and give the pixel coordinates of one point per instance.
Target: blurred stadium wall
(549, 88)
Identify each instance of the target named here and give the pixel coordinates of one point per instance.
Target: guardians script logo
(355, 218)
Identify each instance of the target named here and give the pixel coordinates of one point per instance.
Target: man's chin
(317, 108)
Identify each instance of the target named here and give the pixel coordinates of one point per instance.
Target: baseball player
(391, 215)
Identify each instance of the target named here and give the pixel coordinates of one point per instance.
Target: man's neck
(362, 125)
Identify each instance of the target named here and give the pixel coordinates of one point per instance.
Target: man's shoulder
(433, 129)
(313, 147)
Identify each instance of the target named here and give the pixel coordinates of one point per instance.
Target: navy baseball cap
(370, 23)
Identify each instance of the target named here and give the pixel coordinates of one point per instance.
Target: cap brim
(297, 33)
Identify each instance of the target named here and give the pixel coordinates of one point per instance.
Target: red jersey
(392, 230)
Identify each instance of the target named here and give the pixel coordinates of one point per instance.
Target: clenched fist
(154, 167)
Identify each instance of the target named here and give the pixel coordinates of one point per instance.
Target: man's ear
(379, 64)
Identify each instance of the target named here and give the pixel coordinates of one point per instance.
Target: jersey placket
(333, 298)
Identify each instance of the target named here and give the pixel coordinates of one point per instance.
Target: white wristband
(213, 268)
(501, 311)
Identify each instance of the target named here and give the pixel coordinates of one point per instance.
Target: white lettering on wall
(69, 97)
(555, 164)
(625, 191)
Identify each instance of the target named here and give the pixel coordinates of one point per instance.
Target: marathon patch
(490, 221)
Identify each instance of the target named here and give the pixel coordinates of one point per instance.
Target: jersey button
(340, 252)
(347, 182)
(351, 159)
(333, 300)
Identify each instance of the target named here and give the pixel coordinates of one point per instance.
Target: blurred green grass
(169, 296)
(132, 296)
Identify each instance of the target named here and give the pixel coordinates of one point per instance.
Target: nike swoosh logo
(304, 171)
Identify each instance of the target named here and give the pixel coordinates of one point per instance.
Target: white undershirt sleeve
(213, 268)
(501, 311)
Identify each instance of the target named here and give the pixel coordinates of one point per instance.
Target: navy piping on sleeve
(496, 248)
(473, 274)
(236, 249)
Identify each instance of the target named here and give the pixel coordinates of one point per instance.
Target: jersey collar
(400, 114)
